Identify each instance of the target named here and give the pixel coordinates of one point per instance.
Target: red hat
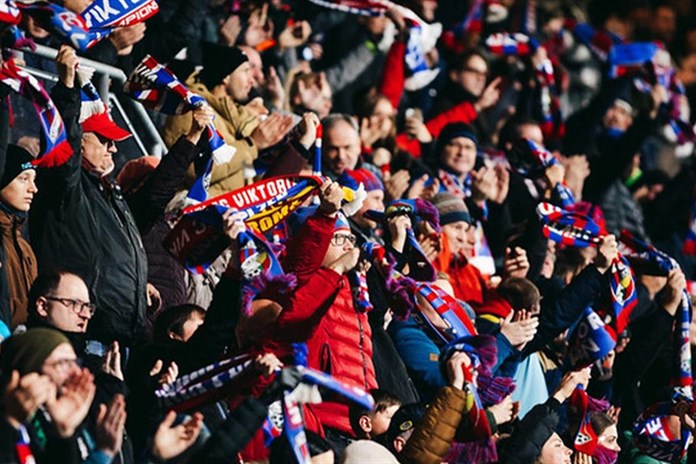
(103, 125)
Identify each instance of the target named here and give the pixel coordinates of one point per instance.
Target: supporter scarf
(208, 384)
(630, 58)
(198, 239)
(9, 13)
(361, 294)
(316, 166)
(57, 150)
(217, 380)
(417, 210)
(567, 228)
(68, 26)
(528, 17)
(658, 433)
(533, 160)
(590, 340)
(599, 42)
(260, 267)
(488, 390)
(580, 231)
(683, 379)
(105, 15)
(473, 22)
(672, 112)
(585, 440)
(511, 44)
(91, 103)
(476, 413)
(454, 186)
(551, 118)
(623, 292)
(24, 454)
(459, 324)
(367, 8)
(157, 88)
(689, 247)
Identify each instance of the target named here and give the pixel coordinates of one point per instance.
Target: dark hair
(173, 320)
(569, 260)
(45, 283)
(383, 400)
(512, 130)
(600, 421)
(520, 292)
(460, 62)
(281, 453)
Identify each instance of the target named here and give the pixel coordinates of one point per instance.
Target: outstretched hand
(170, 442)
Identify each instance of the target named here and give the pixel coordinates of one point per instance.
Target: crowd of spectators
(498, 246)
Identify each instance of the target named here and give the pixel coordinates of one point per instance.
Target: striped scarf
(599, 42)
(454, 186)
(580, 231)
(9, 13)
(198, 239)
(551, 118)
(511, 44)
(533, 160)
(157, 88)
(682, 380)
(57, 150)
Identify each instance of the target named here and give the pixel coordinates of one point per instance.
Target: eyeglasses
(341, 239)
(76, 306)
(478, 72)
(64, 364)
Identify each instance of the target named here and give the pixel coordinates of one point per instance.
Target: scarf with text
(198, 239)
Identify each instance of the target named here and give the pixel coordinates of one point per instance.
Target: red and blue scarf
(57, 150)
(157, 88)
(580, 231)
(682, 381)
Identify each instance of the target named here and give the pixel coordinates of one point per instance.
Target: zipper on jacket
(362, 351)
(325, 359)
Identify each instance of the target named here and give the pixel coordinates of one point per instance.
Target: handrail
(157, 146)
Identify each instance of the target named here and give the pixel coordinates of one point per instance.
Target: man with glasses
(60, 300)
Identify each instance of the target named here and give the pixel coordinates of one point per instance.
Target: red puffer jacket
(342, 346)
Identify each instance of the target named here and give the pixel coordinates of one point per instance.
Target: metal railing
(145, 133)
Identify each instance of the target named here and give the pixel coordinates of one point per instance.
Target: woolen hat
(17, 160)
(353, 179)
(451, 131)
(219, 61)
(27, 352)
(451, 208)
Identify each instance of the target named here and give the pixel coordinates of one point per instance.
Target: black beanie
(452, 131)
(16, 161)
(218, 62)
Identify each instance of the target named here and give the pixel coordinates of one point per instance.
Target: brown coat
(19, 265)
(234, 122)
(435, 432)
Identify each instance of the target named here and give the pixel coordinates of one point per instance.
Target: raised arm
(60, 180)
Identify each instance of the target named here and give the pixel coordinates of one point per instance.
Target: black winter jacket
(82, 223)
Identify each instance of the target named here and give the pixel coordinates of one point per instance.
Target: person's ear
(42, 307)
(365, 424)
(399, 443)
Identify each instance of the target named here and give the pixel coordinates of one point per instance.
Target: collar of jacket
(11, 218)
